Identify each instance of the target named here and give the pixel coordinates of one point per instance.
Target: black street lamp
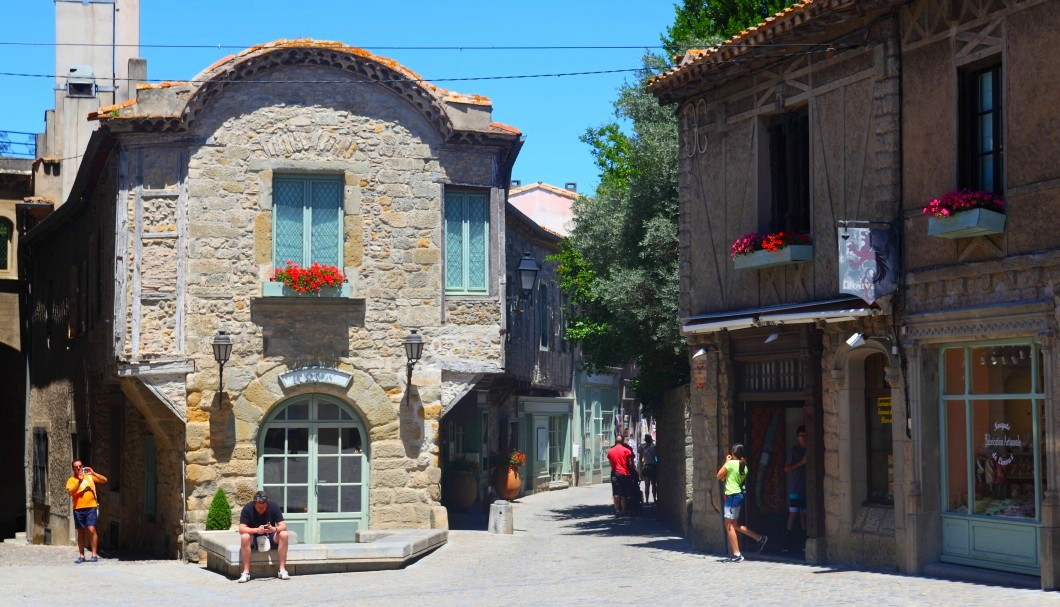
(527, 270)
(222, 350)
(413, 351)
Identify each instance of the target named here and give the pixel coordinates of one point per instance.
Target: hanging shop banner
(868, 262)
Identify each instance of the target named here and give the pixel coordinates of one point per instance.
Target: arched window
(7, 237)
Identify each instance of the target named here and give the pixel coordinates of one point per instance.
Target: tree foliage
(620, 262)
(699, 23)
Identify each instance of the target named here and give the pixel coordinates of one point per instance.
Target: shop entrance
(768, 429)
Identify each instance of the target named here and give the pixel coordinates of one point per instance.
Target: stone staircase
(20, 538)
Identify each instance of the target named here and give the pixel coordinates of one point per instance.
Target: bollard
(501, 517)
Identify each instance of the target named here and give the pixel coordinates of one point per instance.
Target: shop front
(992, 406)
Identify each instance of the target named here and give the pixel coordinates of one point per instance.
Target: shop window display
(993, 431)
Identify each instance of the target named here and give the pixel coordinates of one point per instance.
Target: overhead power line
(426, 80)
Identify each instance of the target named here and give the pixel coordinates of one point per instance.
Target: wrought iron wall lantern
(413, 352)
(527, 271)
(222, 351)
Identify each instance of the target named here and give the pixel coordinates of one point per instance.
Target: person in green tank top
(734, 473)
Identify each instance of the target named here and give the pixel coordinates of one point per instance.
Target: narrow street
(567, 550)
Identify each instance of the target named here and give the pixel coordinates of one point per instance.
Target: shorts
(254, 541)
(732, 505)
(796, 502)
(85, 517)
(621, 485)
(648, 472)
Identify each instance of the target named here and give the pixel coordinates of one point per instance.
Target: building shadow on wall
(222, 427)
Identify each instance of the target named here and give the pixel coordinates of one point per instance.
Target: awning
(829, 310)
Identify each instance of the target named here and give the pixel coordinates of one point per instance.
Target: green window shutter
(454, 242)
(466, 243)
(288, 214)
(326, 211)
(307, 213)
(477, 243)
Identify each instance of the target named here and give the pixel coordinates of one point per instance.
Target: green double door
(313, 462)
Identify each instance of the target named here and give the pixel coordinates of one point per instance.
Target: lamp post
(222, 350)
(413, 351)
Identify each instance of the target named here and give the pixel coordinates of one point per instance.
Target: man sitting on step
(261, 527)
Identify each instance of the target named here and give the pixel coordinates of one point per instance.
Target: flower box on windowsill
(795, 253)
(965, 224)
(278, 289)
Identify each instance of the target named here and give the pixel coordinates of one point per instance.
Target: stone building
(15, 184)
(979, 311)
(792, 126)
(930, 413)
(302, 151)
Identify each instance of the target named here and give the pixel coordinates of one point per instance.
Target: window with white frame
(466, 243)
(307, 220)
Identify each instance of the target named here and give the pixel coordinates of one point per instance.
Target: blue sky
(552, 112)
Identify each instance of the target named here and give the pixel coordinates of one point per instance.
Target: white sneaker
(283, 575)
(243, 579)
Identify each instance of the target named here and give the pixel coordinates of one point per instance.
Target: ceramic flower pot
(507, 483)
(461, 490)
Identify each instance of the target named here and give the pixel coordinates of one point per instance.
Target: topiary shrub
(219, 518)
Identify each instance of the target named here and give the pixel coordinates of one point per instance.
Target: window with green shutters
(307, 220)
(466, 243)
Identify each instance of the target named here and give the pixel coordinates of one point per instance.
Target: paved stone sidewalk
(567, 550)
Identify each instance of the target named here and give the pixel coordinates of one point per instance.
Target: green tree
(219, 516)
(699, 23)
(620, 262)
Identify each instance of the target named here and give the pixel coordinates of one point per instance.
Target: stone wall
(674, 446)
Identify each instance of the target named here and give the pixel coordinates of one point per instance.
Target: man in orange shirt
(82, 488)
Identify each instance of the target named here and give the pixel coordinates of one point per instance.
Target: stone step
(20, 538)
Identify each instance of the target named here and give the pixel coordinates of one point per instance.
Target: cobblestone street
(567, 550)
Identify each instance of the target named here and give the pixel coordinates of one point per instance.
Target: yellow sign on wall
(883, 409)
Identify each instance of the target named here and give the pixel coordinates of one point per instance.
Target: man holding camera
(82, 488)
(261, 528)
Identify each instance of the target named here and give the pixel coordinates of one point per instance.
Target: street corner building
(189, 200)
(819, 289)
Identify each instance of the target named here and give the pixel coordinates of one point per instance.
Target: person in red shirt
(621, 459)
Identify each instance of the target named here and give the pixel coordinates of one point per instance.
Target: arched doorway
(313, 461)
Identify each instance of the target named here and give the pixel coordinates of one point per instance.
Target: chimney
(515, 183)
(570, 186)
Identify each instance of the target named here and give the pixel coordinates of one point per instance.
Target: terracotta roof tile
(111, 111)
(782, 22)
(504, 127)
(540, 185)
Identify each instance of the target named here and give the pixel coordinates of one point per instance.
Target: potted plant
(964, 213)
(461, 483)
(316, 280)
(507, 481)
(757, 250)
